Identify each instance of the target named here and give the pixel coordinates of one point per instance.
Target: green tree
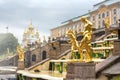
(8, 41)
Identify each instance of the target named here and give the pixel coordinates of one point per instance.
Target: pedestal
(21, 65)
(81, 71)
(116, 50)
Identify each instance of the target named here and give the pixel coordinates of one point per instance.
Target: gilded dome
(31, 27)
(37, 32)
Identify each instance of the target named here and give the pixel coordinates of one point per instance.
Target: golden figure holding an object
(21, 53)
(73, 41)
(86, 41)
(107, 23)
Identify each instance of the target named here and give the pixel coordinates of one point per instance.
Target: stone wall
(65, 47)
(50, 50)
(38, 52)
(36, 55)
(58, 48)
(12, 61)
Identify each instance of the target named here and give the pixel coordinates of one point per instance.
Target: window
(107, 13)
(98, 24)
(115, 20)
(99, 16)
(114, 11)
(103, 15)
(44, 55)
(103, 23)
(33, 57)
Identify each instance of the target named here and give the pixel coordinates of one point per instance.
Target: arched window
(33, 57)
(114, 11)
(99, 16)
(43, 55)
(107, 13)
(103, 15)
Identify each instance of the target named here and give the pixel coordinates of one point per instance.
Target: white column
(110, 14)
(118, 12)
(96, 23)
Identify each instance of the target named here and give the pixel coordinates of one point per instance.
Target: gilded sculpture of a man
(20, 53)
(86, 41)
(73, 41)
(107, 23)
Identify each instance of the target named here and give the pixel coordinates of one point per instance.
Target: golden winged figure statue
(20, 53)
(73, 41)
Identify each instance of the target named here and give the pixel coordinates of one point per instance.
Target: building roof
(77, 18)
(71, 20)
(105, 2)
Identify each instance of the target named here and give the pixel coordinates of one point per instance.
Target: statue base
(81, 71)
(116, 50)
(21, 65)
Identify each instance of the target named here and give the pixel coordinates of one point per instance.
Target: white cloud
(45, 14)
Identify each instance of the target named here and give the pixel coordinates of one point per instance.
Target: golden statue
(73, 41)
(107, 23)
(86, 41)
(59, 34)
(21, 53)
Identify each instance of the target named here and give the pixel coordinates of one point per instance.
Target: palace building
(103, 40)
(30, 36)
(100, 11)
(50, 61)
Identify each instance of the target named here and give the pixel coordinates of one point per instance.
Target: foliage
(116, 78)
(53, 65)
(8, 41)
(77, 55)
(60, 67)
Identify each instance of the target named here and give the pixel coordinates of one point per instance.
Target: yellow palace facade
(102, 44)
(107, 8)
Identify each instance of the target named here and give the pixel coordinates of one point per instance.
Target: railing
(98, 30)
(114, 25)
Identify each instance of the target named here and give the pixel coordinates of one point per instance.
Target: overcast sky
(45, 14)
